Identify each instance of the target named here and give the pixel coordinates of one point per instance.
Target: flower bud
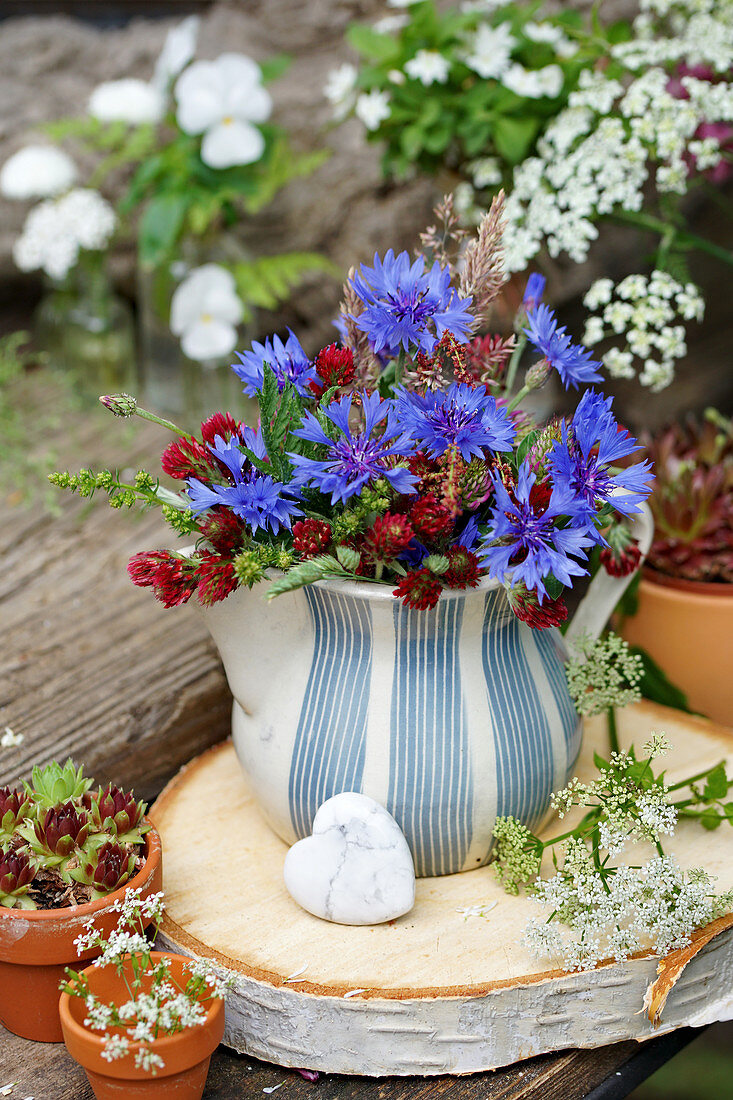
(538, 374)
(121, 404)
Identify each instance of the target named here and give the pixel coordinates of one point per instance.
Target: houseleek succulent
(105, 869)
(16, 874)
(116, 812)
(54, 785)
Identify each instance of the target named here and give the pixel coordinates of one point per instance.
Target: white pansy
(205, 310)
(389, 24)
(57, 229)
(133, 101)
(534, 83)
(37, 172)
(489, 50)
(372, 108)
(339, 88)
(429, 67)
(222, 100)
(178, 49)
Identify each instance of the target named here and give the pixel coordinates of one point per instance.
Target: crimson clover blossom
(459, 416)
(406, 306)
(571, 361)
(354, 460)
(526, 543)
(287, 360)
(581, 458)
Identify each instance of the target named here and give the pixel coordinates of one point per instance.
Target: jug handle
(604, 591)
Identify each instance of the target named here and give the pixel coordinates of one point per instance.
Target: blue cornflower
(534, 290)
(287, 360)
(460, 416)
(354, 461)
(571, 361)
(408, 307)
(469, 535)
(531, 544)
(580, 459)
(256, 498)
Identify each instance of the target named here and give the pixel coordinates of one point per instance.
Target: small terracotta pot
(186, 1054)
(687, 628)
(37, 945)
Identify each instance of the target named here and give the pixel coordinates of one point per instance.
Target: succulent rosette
(116, 812)
(402, 456)
(17, 872)
(15, 806)
(58, 833)
(105, 869)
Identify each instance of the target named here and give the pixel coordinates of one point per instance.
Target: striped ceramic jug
(448, 717)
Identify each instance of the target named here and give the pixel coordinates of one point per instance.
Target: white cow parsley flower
(56, 230)
(37, 172)
(534, 83)
(178, 49)
(205, 310)
(429, 67)
(646, 311)
(373, 108)
(489, 50)
(223, 100)
(133, 101)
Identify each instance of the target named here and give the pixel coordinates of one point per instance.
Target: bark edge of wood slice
(438, 991)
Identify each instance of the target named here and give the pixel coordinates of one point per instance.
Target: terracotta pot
(687, 628)
(186, 1054)
(37, 945)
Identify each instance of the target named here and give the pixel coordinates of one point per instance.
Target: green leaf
(526, 445)
(656, 686)
(710, 819)
(555, 588)
(266, 282)
(160, 227)
(376, 47)
(716, 786)
(728, 807)
(274, 67)
(514, 136)
(600, 763)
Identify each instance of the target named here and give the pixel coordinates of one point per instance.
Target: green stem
(514, 363)
(693, 778)
(613, 730)
(400, 367)
(518, 399)
(684, 238)
(145, 415)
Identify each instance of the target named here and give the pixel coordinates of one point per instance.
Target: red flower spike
(222, 424)
(388, 536)
(335, 367)
(421, 466)
(430, 519)
(187, 458)
(170, 578)
(215, 577)
(310, 537)
(525, 606)
(224, 530)
(622, 561)
(419, 590)
(464, 570)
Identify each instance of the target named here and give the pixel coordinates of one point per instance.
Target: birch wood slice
(437, 991)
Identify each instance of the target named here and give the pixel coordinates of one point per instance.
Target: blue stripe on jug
(552, 662)
(328, 754)
(522, 738)
(430, 783)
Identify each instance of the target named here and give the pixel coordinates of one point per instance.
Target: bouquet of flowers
(402, 455)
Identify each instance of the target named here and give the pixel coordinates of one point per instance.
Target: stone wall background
(49, 63)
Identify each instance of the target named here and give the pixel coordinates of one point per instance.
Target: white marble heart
(356, 867)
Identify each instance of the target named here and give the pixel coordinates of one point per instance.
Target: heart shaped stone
(356, 867)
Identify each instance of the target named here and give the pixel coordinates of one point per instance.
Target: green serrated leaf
(368, 42)
(513, 136)
(160, 227)
(716, 785)
(526, 445)
(655, 684)
(710, 819)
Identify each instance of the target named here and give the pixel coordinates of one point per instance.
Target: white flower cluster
(655, 906)
(597, 155)
(647, 312)
(37, 172)
(602, 674)
(56, 231)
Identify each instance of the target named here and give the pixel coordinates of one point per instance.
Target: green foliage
(269, 280)
(55, 784)
(656, 685)
(448, 124)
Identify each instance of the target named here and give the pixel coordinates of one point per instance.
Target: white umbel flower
(37, 172)
(56, 230)
(490, 50)
(222, 100)
(205, 311)
(132, 101)
(178, 49)
(372, 108)
(429, 67)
